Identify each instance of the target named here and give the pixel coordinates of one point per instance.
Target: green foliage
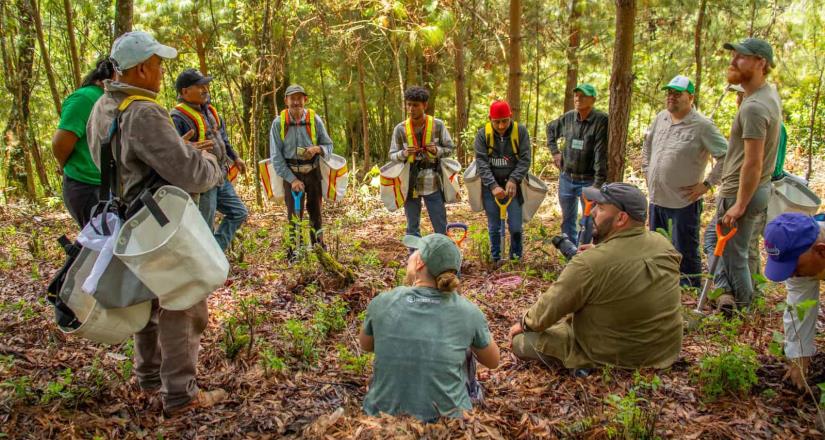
(59, 389)
(352, 362)
(22, 388)
(330, 317)
(731, 371)
(271, 362)
(22, 308)
(480, 243)
(634, 417)
(302, 340)
(667, 233)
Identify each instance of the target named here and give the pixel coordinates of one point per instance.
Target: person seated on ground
(795, 244)
(622, 294)
(425, 337)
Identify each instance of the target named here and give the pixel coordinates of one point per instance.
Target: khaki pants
(166, 352)
(554, 347)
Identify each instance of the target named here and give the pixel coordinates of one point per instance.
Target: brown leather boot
(204, 399)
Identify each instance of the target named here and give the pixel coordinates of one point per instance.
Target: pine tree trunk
(16, 135)
(365, 131)
(697, 49)
(573, 43)
(621, 80)
(44, 54)
(460, 98)
(124, 10)
(67, 6)
(514, 80)
(812, 126)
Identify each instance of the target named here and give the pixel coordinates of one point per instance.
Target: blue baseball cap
(787, 237)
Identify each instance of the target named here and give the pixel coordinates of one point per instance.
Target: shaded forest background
(355, 57)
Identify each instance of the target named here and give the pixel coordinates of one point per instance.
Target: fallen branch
(332, 265)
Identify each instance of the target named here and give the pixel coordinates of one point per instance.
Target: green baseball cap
(438, 252)
(680, 84)
(586, 89)
(753, 46)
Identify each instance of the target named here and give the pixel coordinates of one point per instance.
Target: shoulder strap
(514, 138)
(310, 126)
(488, 134)
(214, 112)
(195, 117)
(284, 125)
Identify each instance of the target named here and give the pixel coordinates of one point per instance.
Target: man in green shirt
(81, 177)
(616, 302)
(424, 336)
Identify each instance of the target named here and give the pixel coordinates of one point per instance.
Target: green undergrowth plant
(239, 330)
(354, 362)
(305, 337)
(632, 415)
(480, 243)
(732, 371)
(270, 361)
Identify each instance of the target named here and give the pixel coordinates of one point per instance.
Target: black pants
(685, 237)
(80, 199)
(311, 201)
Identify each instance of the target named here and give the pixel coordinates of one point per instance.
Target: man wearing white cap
(676, 151)
(151, 153)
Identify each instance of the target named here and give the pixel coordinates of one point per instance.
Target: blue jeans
(435, 209)
(685, 237)
(733, 274)
(225, 200)
(494, 224)
(570, 196)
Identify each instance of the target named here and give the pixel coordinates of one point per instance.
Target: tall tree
(621, 88)
(514, 61)
(19, 84)
(75, 59)
(461, 115)
(573, 42)
(124, 11)
(44, 54)
(697, 49)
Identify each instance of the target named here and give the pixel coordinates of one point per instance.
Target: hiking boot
(726, 304)
(204, 399)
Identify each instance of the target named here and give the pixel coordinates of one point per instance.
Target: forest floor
(282, 341)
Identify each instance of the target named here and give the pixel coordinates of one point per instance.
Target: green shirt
(421, 341)
(76, 110)
(625, 299)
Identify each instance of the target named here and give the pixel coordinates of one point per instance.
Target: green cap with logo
(438, 252)
(586, 89)
(680, 83)
(753, 46)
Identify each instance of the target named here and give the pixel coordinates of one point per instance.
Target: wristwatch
(707, 184)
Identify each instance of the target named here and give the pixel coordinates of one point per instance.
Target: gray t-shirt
(421, 341)
(759, 117)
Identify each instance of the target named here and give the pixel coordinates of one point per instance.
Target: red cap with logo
(500, 110)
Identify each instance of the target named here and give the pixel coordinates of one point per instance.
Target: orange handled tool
(457, 227)
(586, 236)
(721, 241)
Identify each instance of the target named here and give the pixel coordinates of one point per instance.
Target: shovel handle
(722, 239)
(588, 206)
(457, 226)
(296, 197)
(502, 207)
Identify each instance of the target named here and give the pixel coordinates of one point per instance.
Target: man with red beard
(746, 175)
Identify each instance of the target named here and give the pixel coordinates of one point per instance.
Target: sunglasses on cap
(613, 201)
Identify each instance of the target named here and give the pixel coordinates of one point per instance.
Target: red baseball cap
(500, 110)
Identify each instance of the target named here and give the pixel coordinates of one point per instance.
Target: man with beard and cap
(297, 141)
(616, 302)
(795, 244)
(195, 115)
(166, 350)
(746, 175)
(677, 148)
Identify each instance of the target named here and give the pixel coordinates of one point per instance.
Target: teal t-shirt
(75, 114)
(421, 341)
(779, 171)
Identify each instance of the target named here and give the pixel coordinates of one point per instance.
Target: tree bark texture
(621, 82)
(573, 43)
(514, 61)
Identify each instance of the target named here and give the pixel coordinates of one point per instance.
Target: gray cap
(438, 252)
(133, 48)
(753, 46)
(293, 89)
(624, 196)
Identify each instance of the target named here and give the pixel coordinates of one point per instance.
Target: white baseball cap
(133, 48)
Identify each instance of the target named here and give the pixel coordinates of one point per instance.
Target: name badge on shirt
(577, 144)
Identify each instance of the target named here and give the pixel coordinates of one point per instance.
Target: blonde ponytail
(447, 282)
